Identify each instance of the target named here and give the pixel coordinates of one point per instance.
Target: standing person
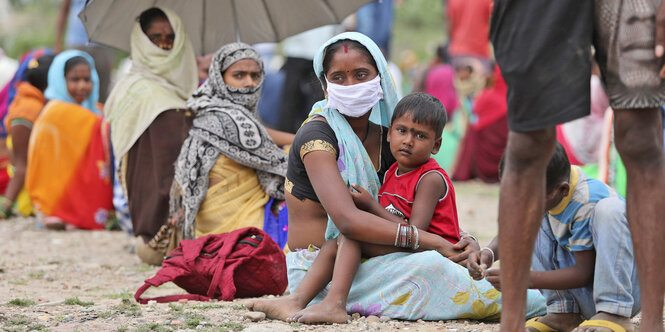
(375, 20)
(230, 165)
(68, 173)
(543, 49)
(468, 28)
(77, 37)
(300, 90)
(149, 120)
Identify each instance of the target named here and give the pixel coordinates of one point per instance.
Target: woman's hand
(478, 262)
(361, 197)
(467, 245)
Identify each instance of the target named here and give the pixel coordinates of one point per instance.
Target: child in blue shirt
(583, 257)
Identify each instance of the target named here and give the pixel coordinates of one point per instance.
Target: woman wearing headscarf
(68, 172)
(149, 120)
(343, 143)
(21, 116)
(230, 166)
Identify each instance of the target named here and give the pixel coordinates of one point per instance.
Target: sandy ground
(85, 281)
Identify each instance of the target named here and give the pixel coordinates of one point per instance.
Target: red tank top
(398, 192)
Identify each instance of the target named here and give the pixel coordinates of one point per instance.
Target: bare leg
(639, 140)
(333, 308)
(521, 208)
(623, 321)
(316, 278)
(560, 321)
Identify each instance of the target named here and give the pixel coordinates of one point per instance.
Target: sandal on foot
(535, 324)
(604, 323)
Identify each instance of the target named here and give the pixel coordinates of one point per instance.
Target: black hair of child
(558, 168)
(423, 108)
(149, 15)
(38, 76)
(74, 61)
(352, 44)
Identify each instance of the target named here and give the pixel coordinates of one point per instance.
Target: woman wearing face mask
(230, 166)
(149, 120)
(68, 171)
(344, 143)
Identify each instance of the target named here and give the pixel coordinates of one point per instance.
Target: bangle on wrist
(465, 234)
(490, 250)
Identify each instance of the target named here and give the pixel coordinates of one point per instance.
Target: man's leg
(639, 139)
(521, 208)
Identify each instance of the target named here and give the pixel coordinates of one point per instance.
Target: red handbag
(242, 263)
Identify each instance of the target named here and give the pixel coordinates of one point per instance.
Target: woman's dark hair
(442, 53)
(558, 168)
(77, 60)
(38, 76)
(336, 46)
(149, 15)
(423, 108)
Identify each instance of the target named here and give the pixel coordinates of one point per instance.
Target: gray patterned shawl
(225, 124)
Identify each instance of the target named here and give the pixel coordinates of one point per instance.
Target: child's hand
(467, 245)
(492, 275)
(478, 262)
(361, 197)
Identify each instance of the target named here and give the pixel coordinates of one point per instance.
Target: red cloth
(440, 84)
(242, 263)
(486, 137)
(398, 192)
(469, 27)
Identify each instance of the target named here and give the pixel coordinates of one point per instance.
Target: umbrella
(213, 23)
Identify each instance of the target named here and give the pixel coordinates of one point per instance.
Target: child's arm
(576, 276)
(365, 202)
(482, 260)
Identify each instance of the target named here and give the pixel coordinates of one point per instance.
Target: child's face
(79, 82)
(553, 198)
(412, 143)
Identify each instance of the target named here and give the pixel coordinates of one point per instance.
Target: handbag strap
(166, 299)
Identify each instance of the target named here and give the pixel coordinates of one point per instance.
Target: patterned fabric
(57, 85)
(226, 124)
(624, 46)
(159, 80)
(354, 163)
(571, 217)
(414, 286)
(317, 145)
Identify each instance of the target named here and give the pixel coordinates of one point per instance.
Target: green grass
(238, 307)
(128, 308)
(232, 326)
(210, 306)
(122, 329)
(76, 301)
(36, 275)
(21, 302)
(153, 327)
(19, 320)
(17, 282)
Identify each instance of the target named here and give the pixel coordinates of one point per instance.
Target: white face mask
(354, 100)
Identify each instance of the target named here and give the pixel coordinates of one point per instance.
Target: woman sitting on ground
(230, 166)
(149, 120)
(68, 173)
(343, 144)
(22, 114)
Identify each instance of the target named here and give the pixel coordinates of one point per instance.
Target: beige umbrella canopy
(213, 23)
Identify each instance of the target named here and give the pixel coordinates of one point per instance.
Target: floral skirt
(414, 286)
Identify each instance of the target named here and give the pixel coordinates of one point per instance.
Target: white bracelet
(490, 250)
(465, 234)
(415, 245)
(397, 235)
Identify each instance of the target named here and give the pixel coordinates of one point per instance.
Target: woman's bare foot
(279, 308)
(560, 322)
(620, 320)
(322, 312)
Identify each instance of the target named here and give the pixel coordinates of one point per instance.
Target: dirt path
(85, 281)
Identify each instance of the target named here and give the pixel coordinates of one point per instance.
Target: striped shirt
(570, 219)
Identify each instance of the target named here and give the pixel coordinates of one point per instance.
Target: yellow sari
(236, 201)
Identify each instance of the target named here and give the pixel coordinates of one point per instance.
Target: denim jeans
(615, 288)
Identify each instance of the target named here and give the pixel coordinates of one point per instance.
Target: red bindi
(346, 48)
